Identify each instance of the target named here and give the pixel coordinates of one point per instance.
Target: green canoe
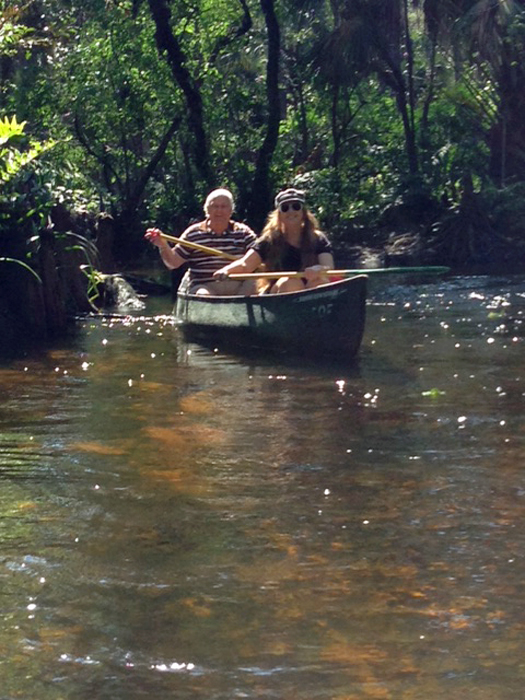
(327, 321)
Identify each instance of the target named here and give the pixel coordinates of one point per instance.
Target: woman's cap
(290, 195)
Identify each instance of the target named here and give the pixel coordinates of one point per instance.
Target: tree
(497, 38)
(372, 36)
(260, 190)
(168, 44)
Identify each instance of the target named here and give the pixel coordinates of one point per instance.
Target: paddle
(198, 246)
(429, 270)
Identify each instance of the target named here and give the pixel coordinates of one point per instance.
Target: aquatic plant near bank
(38, 266)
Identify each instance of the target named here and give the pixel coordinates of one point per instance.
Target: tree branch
(260, 196)
(167, 44)
(243, 28)
(140, 186)
(103, 158)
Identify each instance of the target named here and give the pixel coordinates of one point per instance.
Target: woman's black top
(291, 256)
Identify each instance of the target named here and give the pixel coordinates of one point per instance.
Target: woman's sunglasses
(296, 206)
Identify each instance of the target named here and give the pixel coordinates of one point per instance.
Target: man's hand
(153, 235)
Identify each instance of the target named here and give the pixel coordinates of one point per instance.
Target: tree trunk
(395, 65)
(53, 290)
(260, 199)
(23, 297)
(410, 135)
(167, 43)
(507, 138)
(137, 191)
(336, 133)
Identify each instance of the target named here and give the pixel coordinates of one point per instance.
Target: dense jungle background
(402, 119)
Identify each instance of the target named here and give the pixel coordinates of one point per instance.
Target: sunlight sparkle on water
(173, 667)
(371, 398)
(87, 660)
(138, 532)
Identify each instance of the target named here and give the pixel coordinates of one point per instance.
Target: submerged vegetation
(402, 120)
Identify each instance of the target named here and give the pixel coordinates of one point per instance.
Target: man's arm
(169, 256)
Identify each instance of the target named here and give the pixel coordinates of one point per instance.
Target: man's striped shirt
(236, 240)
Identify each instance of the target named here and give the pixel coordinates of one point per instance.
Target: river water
(179, 522)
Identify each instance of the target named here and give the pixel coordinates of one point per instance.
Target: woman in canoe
(217, 231)
(290, 241)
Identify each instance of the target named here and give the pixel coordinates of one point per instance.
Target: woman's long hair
(273, 234)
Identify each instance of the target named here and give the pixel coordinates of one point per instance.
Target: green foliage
(90, 74)
(94, 280)
(19, 199)
(10, 130)
(17, 151)
(434, 393)
(507, 209)
(12, 36)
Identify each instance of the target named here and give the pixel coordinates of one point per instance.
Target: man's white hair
(220, 192)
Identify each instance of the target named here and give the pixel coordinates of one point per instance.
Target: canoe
(325, 321)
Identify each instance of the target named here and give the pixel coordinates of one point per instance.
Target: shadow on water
(189, 522)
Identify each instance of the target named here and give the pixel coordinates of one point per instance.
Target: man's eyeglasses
(296, 206)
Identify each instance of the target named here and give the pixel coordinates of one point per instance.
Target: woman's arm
(326, 260)
(316, 273)
(170, 258)
(248, 263)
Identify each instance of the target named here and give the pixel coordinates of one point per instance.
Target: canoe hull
(325, 321)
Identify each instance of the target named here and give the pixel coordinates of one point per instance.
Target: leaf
(22, 264)
(433, 393)
(10, 129)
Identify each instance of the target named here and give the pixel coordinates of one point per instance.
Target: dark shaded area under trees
(402, 120)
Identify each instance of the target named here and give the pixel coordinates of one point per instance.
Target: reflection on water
(179, 522)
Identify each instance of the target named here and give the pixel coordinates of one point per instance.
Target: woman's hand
(153, 235)
(221, 274)
(316, 273)
(248, 263)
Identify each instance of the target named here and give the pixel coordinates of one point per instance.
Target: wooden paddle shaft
(343, 273)
(198, 246)
(271, 275)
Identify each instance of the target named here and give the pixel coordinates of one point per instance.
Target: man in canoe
(290, 242)
(205, 246)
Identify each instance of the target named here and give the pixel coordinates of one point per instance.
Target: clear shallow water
(178, 522)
